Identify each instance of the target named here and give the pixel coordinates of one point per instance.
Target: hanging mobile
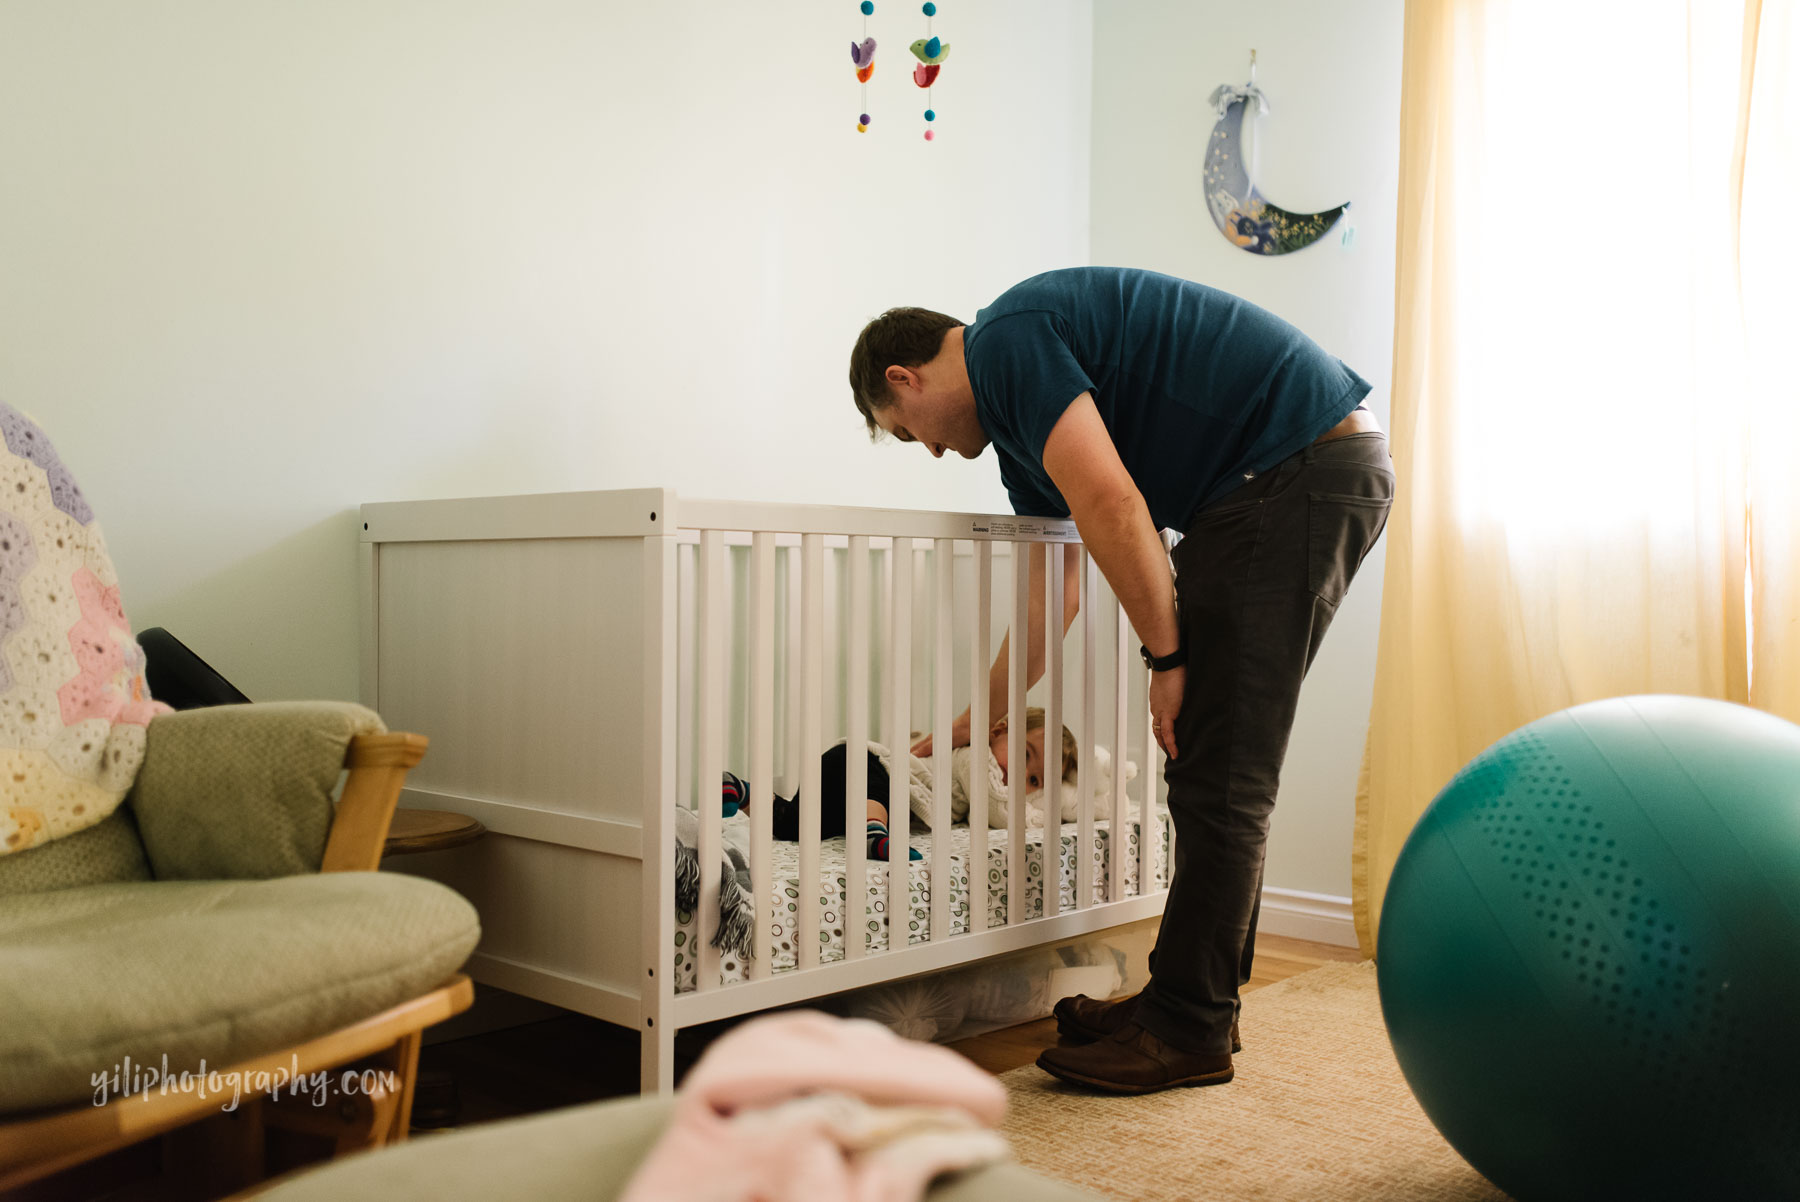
(862, 54)
(931, 53)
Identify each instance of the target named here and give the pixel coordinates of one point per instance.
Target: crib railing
(714, 529)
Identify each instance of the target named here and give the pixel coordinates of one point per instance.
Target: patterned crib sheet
(783, 900)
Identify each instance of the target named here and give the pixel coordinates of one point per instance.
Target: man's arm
(960, 735)
(1115, 523)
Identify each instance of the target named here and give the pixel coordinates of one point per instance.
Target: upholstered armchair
(229, 917)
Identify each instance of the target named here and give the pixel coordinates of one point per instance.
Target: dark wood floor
(571, 1059)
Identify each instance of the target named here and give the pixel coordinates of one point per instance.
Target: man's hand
(1166, 689)
(959, 737)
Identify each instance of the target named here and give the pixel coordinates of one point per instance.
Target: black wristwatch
(1175, 659)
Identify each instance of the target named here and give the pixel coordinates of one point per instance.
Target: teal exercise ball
(1589, 955)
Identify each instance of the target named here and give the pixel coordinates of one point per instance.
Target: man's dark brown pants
(1259, 576)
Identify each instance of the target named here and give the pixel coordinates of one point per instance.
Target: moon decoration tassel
(862, 57)
(931, 53)
(1238, 209)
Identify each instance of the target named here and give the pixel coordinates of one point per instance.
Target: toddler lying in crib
(785, 816)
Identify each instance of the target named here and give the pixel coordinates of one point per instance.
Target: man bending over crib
(1133, 402)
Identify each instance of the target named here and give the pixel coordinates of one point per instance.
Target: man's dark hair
(907, 337)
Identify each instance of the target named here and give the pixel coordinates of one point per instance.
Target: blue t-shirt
(1196, 386)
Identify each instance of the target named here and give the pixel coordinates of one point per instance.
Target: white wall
(1332, 75)
(261, 262)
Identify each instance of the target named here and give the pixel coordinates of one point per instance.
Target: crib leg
(656, 1061)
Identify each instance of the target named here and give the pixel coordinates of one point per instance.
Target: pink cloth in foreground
(802, 1105)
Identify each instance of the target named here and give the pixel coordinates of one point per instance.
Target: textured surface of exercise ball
(1589, 955)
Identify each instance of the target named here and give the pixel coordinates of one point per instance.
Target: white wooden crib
(585, 663)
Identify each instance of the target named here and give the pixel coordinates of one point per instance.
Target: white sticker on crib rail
(1005, 527)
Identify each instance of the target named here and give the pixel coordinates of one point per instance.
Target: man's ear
(901, 377)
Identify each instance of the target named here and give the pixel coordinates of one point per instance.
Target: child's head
(1034, 749)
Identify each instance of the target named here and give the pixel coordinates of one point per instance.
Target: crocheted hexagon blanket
(73, 703)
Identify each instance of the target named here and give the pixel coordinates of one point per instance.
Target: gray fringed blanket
(736, 910)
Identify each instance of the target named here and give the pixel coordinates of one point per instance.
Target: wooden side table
(429, 830)
(436, 1105)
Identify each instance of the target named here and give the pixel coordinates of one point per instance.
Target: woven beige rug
(1318, 1112)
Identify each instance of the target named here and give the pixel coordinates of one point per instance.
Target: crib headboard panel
(460, 620)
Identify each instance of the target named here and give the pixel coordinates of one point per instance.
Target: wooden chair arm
(378, 765)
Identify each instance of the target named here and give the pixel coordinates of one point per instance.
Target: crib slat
(1084, 839)
(762, 741)
(1053, 724)
(1149, 830)
(856, 763)
(981, 890)
(899, 900)
(812, 735)
(1157, 759)
(711, 594)
(1018, 663)
(944, 553)
(1121, 750)
(788, 771)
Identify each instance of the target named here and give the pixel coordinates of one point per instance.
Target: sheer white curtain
(1771, 283)
(1589, 436)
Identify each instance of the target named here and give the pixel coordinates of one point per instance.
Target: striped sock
(878, 843)
(734, 794)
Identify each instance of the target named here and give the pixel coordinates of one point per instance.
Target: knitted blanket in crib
(73, 704)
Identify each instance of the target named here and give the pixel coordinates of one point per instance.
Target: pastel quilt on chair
(73, 704)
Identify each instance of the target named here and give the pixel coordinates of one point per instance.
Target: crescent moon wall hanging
(1246, 219)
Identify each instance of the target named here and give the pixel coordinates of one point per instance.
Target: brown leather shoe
(1082, 1019)
(1133, 1061)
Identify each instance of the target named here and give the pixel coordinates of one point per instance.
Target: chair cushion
(235, 792)
(581, 1154)
(107, 851)
(213, 970)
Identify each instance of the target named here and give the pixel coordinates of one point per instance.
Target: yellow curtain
(1573, 420)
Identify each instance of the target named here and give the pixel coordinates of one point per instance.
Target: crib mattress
(780, 907)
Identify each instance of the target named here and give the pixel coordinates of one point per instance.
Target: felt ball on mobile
(931, 10)
(867, 7)
(930, 50)
(864, 118)
(928, 135)
(930, 115)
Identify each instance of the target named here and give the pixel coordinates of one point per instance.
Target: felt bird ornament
(925, 76)
(930, 51)
(864, 58)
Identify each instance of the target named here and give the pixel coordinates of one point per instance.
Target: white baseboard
(1318, 917)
